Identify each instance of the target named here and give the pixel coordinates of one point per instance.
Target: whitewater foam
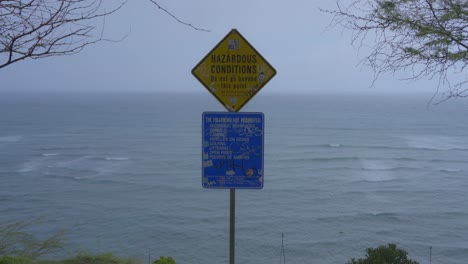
(116, 158)
(451, 170)
(29, 166)
(10, 139)
(436, 142)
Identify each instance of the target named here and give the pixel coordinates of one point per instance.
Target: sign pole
(233, 72)
(232, 225)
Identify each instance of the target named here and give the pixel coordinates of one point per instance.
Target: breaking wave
(10, 139)
(116, 158)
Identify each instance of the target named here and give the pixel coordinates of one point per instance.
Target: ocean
(121, 173)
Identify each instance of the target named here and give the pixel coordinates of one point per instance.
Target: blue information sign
(233, 150)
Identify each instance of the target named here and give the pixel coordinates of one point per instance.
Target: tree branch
(39, 28)
(427, 37)
(177, 19)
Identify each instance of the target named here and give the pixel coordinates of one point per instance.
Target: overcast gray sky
(159, 53)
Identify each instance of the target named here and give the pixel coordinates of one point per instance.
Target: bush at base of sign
(163, 260)
(107, 258)
(390, 254)
(18, 246)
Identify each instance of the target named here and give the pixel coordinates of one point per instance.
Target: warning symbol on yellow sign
(233, 71)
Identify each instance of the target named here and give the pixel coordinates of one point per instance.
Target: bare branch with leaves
(425, 38)
(16, 241)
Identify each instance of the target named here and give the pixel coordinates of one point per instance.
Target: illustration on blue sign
(233, 150)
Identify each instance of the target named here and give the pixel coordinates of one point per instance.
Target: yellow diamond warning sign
(233, 71)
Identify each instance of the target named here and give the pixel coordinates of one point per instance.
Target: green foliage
(389, 254)
(428, 38)
(106, 258)
(18, 246)
(14, 260)
(456, 12)
(16, 241)
(163, 260)
(386, 5)
(412, 51)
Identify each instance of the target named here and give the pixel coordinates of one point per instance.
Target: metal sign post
(232, 226)
(233, 72)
